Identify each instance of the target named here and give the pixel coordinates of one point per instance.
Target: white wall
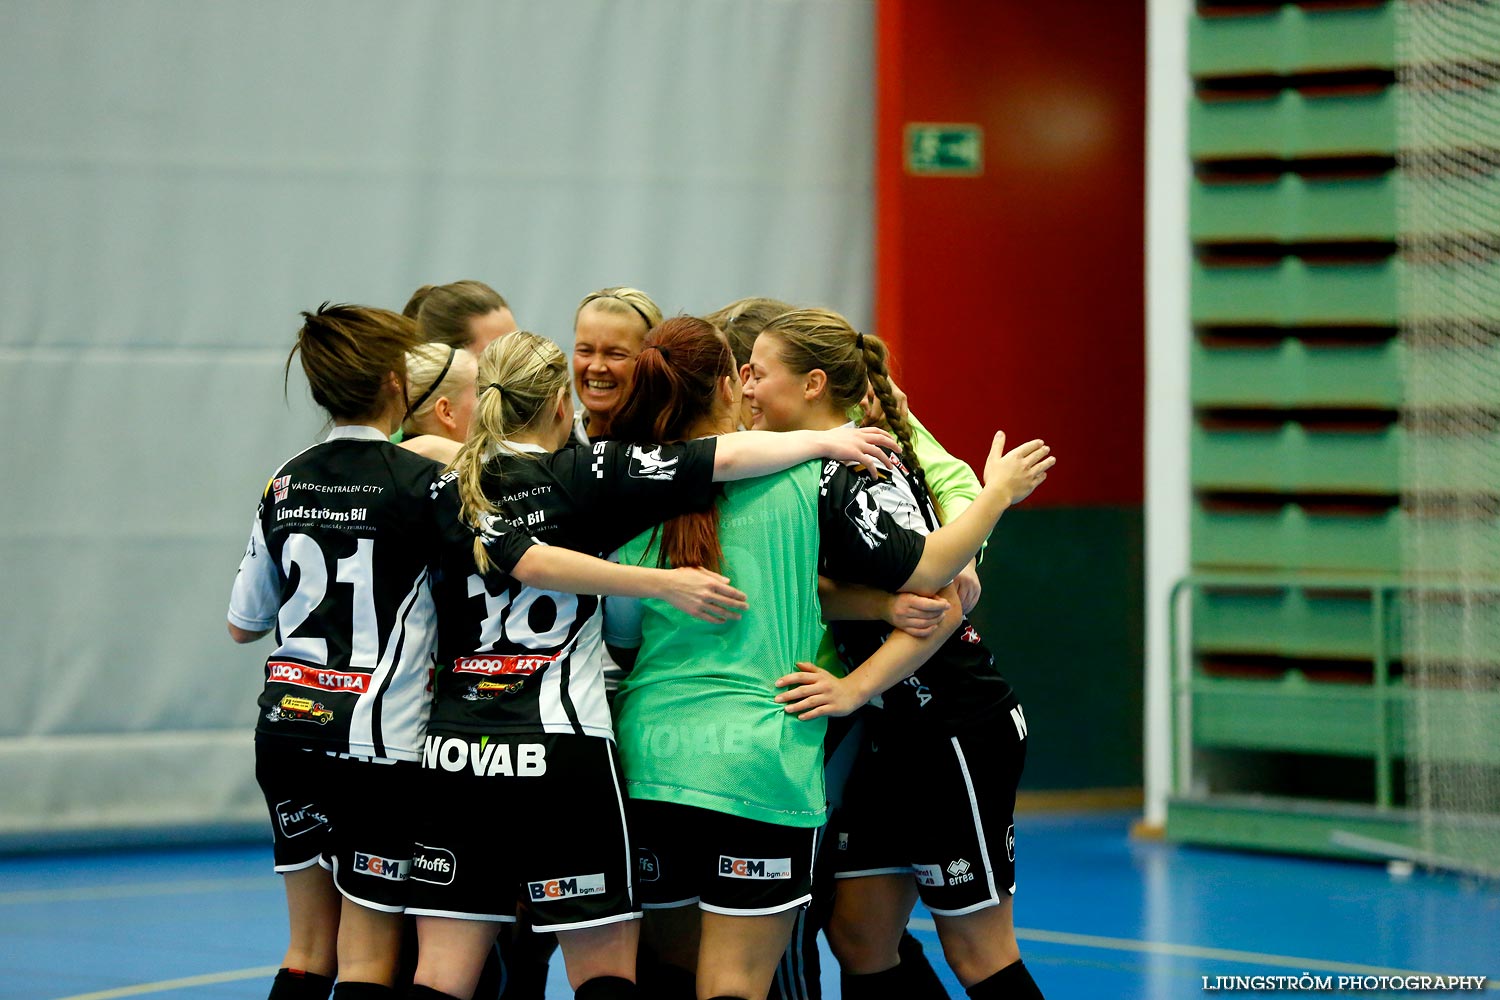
(178, 179)
(1168, 340)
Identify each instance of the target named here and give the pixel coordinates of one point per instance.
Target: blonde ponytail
(520, 377)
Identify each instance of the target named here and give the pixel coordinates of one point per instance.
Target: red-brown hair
(676, 381)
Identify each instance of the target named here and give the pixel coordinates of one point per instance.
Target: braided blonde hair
(853, 362)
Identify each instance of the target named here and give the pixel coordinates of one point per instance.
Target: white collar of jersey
(525, 447)
(356, 432)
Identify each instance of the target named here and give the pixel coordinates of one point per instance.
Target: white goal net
(1448, 176)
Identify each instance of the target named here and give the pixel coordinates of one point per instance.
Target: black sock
(415, 992)
(363, 991)
(919, 981)
(294, 984)
(1011, 983)
(606, 988)
(887, 985)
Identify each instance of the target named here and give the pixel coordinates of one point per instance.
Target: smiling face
(774, 395)
(604, 348)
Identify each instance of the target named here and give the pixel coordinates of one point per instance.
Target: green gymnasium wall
(1061, 611)
(1289, 695)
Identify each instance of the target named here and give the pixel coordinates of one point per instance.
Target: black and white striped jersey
(873, 531)
(515, 659)
(338, 563)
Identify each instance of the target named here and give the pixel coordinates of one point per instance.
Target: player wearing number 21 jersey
(349, 672)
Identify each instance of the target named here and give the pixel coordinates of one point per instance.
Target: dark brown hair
(676, 382)
(443, 311)
(347, 352)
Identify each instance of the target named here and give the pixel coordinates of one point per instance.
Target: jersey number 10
(510, 621)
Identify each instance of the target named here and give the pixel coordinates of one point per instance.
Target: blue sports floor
(1100, 917)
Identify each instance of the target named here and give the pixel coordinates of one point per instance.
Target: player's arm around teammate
(519, 726)
(782, 398)
(807, 370)
(726, 788)
(337, 565)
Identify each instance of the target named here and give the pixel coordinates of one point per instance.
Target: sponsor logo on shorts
(506, 664)
(279, 487)
(843, 841)
(294, 821)
(647, 463)
(1010, 842)
(959, 872)
(929, 874)
(755, 867)
(970, 635)
(433, 864)
(294, 709)
(565, 888)
(647, 866)
(396, 870)
(315, 677)
(484, 758)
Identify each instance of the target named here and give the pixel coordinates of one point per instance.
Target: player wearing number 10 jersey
(520, 789)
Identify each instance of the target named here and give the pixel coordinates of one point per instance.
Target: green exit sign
(944, 149)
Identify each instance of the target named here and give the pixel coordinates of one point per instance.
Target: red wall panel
(1015, 300)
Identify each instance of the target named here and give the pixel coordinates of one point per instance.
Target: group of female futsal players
(436, 737)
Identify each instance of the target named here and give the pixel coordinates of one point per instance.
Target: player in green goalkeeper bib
(726, 786)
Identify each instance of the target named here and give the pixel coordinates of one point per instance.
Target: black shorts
(725, 864)
(348, 814)
(939, 808)
(539, 818)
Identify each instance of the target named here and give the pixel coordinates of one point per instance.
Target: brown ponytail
(347, 353)
(676, 381)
